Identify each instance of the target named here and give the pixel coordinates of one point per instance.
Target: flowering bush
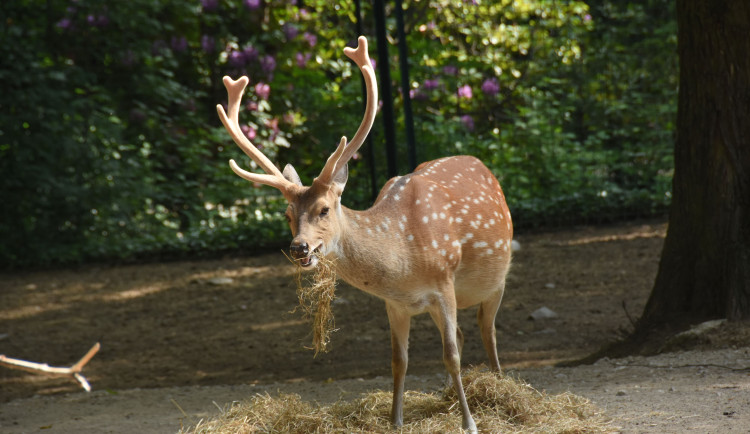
(111, 147)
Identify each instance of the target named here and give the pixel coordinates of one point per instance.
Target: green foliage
(110, 146)
(572, 107)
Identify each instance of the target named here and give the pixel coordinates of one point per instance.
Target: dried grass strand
(315, 294)
(499, 404)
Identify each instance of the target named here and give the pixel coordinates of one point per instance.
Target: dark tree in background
(705, 265)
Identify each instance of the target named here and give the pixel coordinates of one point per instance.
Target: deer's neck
(370, 250)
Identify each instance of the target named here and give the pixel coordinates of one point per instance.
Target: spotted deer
(435, 240)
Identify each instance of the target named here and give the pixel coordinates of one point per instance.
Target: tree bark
(705, 265)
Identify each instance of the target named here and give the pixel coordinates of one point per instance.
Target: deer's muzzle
(303, 254)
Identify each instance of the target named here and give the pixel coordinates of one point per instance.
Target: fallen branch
(74, 370)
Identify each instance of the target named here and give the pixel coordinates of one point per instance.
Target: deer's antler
(273, 176)
(345, 150)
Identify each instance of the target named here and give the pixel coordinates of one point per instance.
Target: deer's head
(314, 212)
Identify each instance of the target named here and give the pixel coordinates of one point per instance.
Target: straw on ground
(499, 404)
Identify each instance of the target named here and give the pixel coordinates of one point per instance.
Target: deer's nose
(299, 250)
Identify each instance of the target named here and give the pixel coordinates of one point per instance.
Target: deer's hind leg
(486, 319)
(444, 315)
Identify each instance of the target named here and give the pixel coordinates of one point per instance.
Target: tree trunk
(705, 265)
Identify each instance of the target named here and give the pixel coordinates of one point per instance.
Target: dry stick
(74, 370)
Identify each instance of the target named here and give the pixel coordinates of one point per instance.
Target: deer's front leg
(400, 322)
(444, 316)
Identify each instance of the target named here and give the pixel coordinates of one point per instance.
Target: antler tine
(326, 175)
(273, 176)
(345, 151)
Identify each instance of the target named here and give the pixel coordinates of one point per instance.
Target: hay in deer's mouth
(315, 292)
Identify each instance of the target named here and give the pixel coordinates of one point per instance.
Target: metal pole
(385, 88)
(370, 148)
(403, 57)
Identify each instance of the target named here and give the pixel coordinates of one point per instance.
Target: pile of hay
(315, 293)
(498, 404)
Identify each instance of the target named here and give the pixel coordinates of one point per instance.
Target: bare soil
(169, 330)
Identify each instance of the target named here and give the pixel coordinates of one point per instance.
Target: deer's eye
(324, 211)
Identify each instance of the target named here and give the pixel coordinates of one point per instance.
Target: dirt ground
(170, 330)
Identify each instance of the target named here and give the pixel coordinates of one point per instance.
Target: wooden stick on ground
(74, 370)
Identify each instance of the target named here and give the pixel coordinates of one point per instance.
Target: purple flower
(450, 70)
(431, 84)
(208, 43)
(97, 20)
(490, 87)
(273, 124)
(236, 59)
(249, 131)
(465, 92)
(302, 59)
(587, 18)
(416, 95)
(251, 4)
(250, 52)
(310, 38)
(268, 64)
(65, 23)
(468, 122)
(209, 5)
(251, 106)
(290, 31)
(179, 44)
(263, 90)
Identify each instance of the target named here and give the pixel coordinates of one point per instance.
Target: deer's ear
(339, 179)
(291, 175)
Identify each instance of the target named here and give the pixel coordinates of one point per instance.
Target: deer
(435, 240)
